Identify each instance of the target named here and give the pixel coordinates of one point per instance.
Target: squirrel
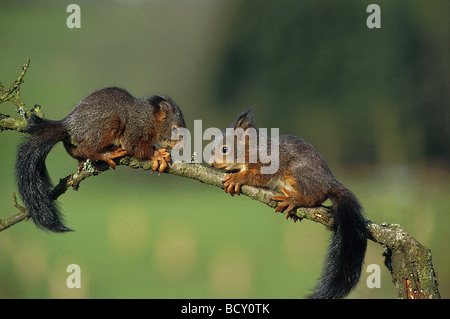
(109, 123)
(305, 180)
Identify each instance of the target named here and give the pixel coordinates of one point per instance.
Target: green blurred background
(375, 102)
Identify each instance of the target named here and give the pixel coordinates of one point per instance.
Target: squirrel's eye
(225, 149)
(174, 128)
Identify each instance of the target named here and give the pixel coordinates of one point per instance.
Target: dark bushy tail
(32, 177)
(345, 256)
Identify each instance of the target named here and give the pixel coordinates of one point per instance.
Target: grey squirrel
(305, 180)
(107, 124)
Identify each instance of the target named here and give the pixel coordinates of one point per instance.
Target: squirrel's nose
(211, 161)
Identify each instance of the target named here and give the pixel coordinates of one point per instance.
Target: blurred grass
(152, 236)
(139, 235)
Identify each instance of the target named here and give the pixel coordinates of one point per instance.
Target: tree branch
(409, 262)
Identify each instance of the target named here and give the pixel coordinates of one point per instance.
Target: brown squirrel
(107, 124)
(305, 180)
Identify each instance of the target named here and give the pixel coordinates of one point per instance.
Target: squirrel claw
(160, 160)
(231, 186)
(287, 204)
(80, 166)
(279, 198)
(112, 164)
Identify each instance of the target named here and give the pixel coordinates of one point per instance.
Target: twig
(21, 216)
(12, 94)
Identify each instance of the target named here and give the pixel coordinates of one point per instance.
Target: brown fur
(111, 123)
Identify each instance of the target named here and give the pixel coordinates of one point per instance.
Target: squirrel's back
(307, 166)
(98, 113)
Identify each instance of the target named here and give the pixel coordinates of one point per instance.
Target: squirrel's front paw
(160, 159)
(231, 184)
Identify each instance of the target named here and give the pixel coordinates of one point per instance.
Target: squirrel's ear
(160, 114)
(162, 107)
(244, 120)
(155, 100)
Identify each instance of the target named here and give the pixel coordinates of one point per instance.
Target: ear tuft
(155, 100)
(244, 120)
(162, 106)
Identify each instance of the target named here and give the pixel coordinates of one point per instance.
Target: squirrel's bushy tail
(31, 173)
(345, 256)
